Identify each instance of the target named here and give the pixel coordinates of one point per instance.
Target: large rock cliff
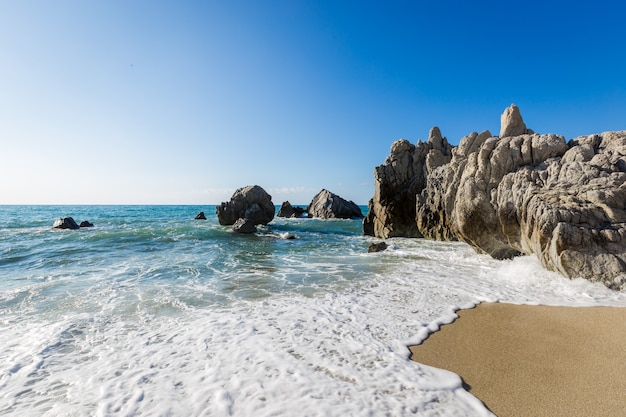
(397, 183)
(521, 193)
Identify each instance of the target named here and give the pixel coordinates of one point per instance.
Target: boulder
(247, 207)
(200, 216)
(65, 223)
(86, 223)
(245, 226)
(520, 193)
(251, 202)
(326, 205)
(287, 210)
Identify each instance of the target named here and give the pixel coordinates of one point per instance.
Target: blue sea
(153, 313)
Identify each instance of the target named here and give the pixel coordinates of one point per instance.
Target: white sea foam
(326, 335)
(341, 354)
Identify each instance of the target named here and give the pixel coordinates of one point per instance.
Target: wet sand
(536, 361)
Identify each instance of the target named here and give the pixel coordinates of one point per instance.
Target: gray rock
(65, 223)
(523, 193)
(571, 211)
(251, 202)
(377, 247)
(287, 210)
(397, 183)
(326, 205)
(474, 215)
(511, 122)
(245, 226)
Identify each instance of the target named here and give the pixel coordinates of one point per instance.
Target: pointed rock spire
(511, 122)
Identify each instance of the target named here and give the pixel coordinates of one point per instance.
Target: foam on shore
(536, 360)
(148, 314)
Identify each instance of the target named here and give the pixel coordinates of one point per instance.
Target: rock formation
(200, 216)
(326, 205)
(397, 183)
(525, 193)
(244, 225)
(251, 203)
(511, 122)
(287, 210)
(65, 223)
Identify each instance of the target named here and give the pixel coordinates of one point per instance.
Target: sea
(153, 313)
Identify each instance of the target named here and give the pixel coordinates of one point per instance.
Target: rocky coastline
(516, 193)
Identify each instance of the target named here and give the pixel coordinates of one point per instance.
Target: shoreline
(523, 360)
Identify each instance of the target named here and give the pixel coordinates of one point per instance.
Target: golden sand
(536, 361)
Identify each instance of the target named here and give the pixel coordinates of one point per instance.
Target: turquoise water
(153, 313)
(162, 252)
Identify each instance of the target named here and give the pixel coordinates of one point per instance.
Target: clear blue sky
(182, 102)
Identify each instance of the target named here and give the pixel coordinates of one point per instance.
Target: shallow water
(153, 313)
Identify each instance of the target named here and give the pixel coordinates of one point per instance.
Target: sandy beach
(536, 361)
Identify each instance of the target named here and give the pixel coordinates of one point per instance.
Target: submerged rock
(65, 223)
(86, 223)
(520, 193)
(377, 247)
(326, 205)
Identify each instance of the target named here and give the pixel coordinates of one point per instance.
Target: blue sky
(182, 102)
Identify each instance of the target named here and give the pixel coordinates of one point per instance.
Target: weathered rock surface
(511, 122)
(251, 203)
(65, 223)
(525, 193)
(245, 226)
(287, 210)
(398, 182)
(326, 205)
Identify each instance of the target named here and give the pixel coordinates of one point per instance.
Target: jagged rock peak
(520, 193)
(435, 138)
(511, 122)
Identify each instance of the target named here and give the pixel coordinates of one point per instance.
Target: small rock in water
(65, 223)
(201, 216)
(86, 223)
(245, 226)
(287, 210)
(377, 247)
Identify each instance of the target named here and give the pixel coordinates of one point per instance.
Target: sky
(183, 102)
